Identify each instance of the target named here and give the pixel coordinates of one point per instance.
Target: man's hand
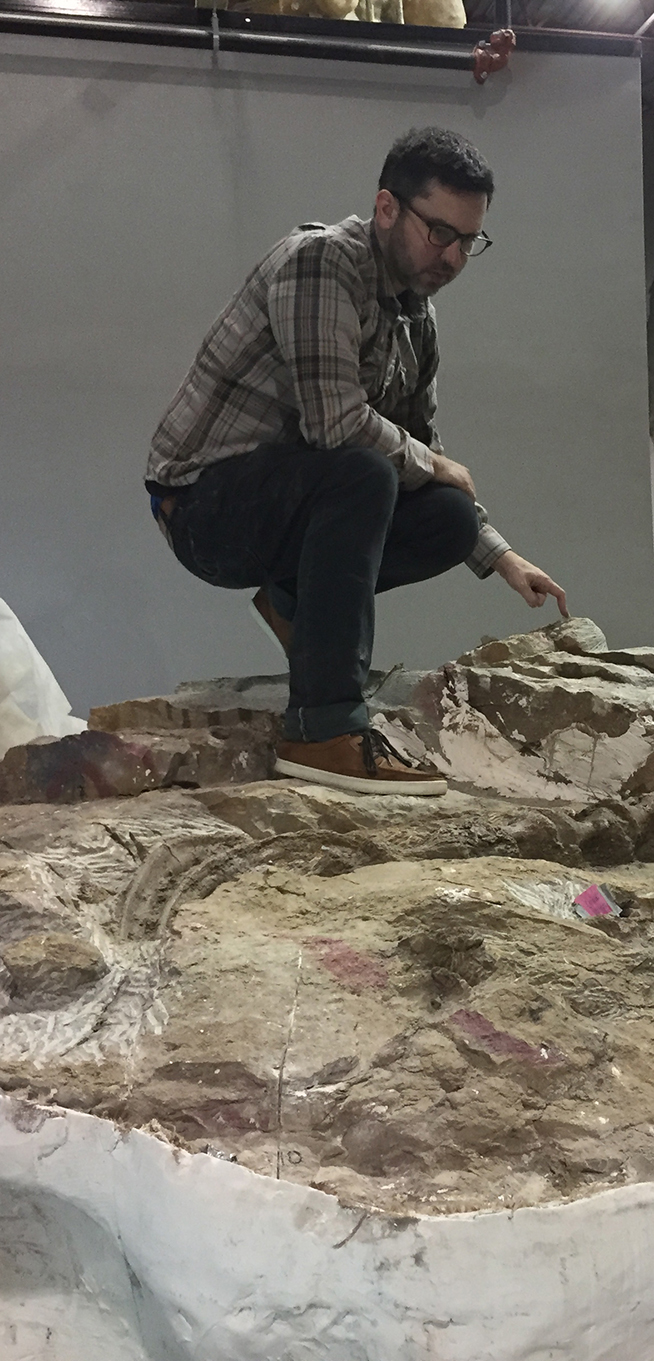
(453, 474)
(533, 585)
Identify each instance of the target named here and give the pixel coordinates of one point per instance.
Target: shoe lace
(375, 747)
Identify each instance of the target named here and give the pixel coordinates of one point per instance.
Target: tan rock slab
(632, 656)
(579, 636)
(221, 705)
(392, 999)
(46, 969)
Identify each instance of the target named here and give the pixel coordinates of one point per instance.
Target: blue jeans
(322, 530)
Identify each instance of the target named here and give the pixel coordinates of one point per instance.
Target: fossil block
(386, 1011)
(49, 969)
(277, 977)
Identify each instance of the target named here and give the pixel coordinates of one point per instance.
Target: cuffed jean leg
(333, 625)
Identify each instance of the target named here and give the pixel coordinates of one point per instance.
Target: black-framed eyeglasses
(443, 235)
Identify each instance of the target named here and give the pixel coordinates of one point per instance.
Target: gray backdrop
(138, 185)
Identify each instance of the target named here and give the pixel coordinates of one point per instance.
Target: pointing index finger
(559, 595)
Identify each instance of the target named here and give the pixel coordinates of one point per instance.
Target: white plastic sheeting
(32, 704)
(117, 1245)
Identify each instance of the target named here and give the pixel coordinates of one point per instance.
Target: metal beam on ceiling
(183, 25)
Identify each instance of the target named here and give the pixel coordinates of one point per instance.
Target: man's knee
(444, 525)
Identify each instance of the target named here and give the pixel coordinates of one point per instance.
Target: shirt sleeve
(489, 546)
(315, 323)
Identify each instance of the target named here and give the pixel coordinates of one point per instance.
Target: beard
(423, 282)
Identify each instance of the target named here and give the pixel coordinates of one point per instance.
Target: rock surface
(551, 715)
(347, 992)
(391, 999)
(98, 764)
(45, 970)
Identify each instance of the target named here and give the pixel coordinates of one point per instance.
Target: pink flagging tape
(596, 902)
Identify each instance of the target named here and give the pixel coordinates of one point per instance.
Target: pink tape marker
(592, 903)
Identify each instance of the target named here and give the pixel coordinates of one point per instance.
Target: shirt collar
(407, 303)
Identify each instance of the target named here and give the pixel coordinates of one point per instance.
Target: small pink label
(593, 902)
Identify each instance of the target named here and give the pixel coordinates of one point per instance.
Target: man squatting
(300, 454)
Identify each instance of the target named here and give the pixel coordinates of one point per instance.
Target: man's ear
(387, 209)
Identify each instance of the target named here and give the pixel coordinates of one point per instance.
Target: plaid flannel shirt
(315, 348)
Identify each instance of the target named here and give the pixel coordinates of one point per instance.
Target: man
(300, 454)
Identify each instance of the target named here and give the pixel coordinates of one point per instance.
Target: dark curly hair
(426, 154)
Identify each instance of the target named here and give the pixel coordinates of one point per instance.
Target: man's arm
(312, 305)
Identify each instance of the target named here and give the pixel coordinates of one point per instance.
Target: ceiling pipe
(482, 60)
(644, 28)
(124, 30)
(232, 39)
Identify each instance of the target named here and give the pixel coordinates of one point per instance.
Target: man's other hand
(533, 585)
(453, 474)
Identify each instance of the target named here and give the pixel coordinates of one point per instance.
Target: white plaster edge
(246, 1268)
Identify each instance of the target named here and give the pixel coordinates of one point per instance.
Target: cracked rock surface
(390, 999)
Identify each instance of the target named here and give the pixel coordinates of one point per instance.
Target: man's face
(411, 259)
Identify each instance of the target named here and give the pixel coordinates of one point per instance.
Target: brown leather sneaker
(363, 763)
(278, 629)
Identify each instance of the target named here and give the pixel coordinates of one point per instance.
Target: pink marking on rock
(593, 902)
(353, 969)
(500, 1043)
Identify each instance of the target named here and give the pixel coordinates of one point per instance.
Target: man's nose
(453, 256)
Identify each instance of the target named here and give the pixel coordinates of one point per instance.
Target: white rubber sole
(360, 784)
(266, 628)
